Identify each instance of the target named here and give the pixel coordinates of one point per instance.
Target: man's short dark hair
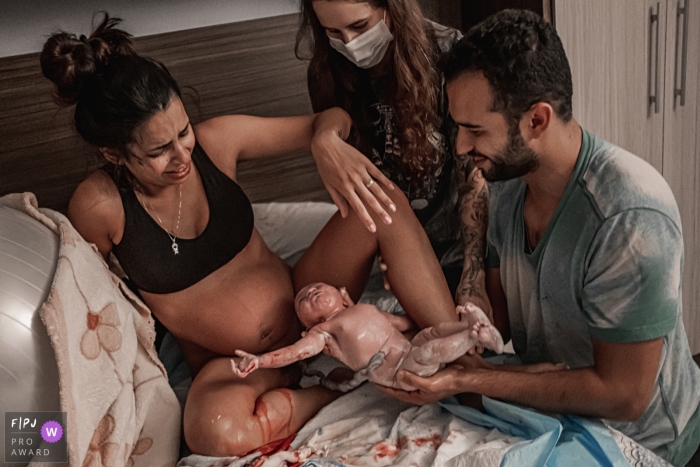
(523, 60)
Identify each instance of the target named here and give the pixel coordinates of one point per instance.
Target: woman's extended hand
(351, 178)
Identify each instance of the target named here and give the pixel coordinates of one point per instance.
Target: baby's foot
(481, 328)
(472, 314)
(490, 338)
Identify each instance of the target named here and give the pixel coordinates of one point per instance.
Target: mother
(167, 205)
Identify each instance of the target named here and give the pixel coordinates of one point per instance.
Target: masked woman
(377, 60)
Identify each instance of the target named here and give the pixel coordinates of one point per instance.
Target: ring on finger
(370, 183)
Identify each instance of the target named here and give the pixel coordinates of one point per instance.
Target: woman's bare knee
(221, 436)
(274, 412)
(216, 431)
(399, 199)
(403, 213)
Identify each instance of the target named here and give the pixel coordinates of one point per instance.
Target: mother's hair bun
(68, 60)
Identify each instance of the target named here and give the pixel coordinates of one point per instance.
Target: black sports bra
(145, 251)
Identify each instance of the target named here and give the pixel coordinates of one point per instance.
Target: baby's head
(317, 302)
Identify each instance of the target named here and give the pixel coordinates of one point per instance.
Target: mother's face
(161, 153)
(345, 20)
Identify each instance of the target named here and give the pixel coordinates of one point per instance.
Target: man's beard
(514, 160)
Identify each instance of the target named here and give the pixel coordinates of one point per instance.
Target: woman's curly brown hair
(334, 81)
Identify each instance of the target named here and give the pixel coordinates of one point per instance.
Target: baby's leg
(439, 344)
(490, 338)
(486, 333)
(442, 343)
(358, 378)
(229, 416)
(472, 314)
(439, 331)
(447, 342)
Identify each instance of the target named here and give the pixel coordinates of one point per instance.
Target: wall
(446, 12)
(246, 67)
(25, 24)
(475, 12)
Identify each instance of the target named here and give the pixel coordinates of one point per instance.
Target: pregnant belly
(247, 305)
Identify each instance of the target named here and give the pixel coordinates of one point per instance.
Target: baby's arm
(311, 344)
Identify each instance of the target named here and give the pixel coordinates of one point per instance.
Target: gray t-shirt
(608, 266)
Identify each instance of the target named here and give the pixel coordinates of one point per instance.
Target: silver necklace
(172, 236)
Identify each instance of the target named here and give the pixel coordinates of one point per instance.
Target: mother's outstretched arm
(350, 178)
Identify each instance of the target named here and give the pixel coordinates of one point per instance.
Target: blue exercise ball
(28, 370)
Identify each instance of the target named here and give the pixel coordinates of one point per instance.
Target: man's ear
(537, 119)
(347, 301)
(112, 156)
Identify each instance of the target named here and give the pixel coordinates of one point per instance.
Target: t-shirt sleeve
(631, 289)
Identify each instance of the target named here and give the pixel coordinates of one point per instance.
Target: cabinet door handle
(680, 92)
(654, 54)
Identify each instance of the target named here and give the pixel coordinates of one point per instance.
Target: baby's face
(316, 302)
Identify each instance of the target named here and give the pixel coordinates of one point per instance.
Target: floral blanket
(120, 408)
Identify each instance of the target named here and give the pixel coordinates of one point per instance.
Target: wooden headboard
(247, 67)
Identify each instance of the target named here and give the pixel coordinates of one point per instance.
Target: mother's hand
(351, 179)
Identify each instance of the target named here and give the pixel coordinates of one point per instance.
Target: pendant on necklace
(175, 249)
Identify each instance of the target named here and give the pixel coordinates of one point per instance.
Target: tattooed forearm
(473, 194)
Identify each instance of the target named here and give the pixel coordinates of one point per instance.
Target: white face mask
(367, 49)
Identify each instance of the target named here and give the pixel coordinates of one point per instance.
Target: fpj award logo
(35, 437)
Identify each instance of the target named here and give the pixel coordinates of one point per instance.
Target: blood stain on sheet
(403, 442)
(432, 441)
(351, 460)
(384, 450)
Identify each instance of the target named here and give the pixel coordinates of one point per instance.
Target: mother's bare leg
(229, 416)
(344, 250)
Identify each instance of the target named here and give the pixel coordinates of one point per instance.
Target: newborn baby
(371, 342)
